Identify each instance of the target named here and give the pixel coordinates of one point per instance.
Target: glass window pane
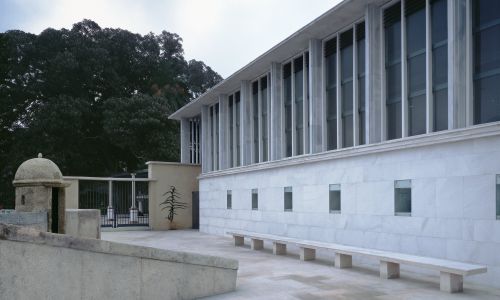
(299, 109)
(331, 102)
(415, 31)
(440, 66)
(229, 198)
(416, 74)
(264, 118)
(402, 197)
(394, 120)
(441, 109)
(439, 21)
(487, 99)
(416, 115)
(361, 90)
(288, 205)
(287, 88)
(255, 199)
(487, 49)
(335, 202)
(498, 196)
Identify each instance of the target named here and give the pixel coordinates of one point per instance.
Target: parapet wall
(43, 265)
(37, 220)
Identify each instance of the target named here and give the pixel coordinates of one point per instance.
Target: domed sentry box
(40, 188)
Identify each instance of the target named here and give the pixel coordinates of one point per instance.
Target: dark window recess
(288, 196)
(402, 197)
(255, 199)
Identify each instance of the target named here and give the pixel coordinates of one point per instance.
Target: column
(205, 139)
(459, 108)
(185, 151)
(316, 103)
(276, 124)
(375, 119)
(246, 123)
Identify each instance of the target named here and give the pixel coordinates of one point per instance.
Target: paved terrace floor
(262, 275)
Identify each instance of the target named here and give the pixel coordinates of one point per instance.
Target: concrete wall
(84, 223)
(71, 191)
(37, 220)
(184, 178)
(453, 199)
(51, 266)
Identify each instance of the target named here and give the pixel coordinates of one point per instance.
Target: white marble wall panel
(453, 202)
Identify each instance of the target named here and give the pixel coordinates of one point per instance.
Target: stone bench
(451, 272)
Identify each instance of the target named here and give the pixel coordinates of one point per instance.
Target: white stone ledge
(436, 138)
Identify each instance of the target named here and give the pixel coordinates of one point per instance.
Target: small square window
(288, 198)
(402, 197)
(498, 197)
(255, 199)
(229, 199)
(334, 197)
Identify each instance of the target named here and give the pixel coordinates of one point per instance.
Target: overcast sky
(225, 34)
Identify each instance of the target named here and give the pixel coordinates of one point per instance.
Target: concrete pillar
(239, 240)
(316, 103)
(389, 270)
(223, 132)
(373, 83)
(451, 283)
(205, 140)
(246, 123)
(256, 244)
(459, 113)
(276, 123)
(343, 261)
(307, 253)
(279, 248)
(185, 131)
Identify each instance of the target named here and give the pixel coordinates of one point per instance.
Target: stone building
(375, 125)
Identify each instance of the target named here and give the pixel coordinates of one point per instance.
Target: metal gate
(121, 201)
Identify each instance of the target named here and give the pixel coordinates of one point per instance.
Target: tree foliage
(94, 100)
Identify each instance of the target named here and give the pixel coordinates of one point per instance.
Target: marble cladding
(453, 202)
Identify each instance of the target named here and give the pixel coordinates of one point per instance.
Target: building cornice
(436, 138)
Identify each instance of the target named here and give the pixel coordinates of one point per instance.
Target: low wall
(37, 220)
(84, 223)
(43, 265)
(166, 174)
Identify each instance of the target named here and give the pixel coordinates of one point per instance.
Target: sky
(225, 34)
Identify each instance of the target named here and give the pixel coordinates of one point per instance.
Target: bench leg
(256, 244)
(451, 283)
(389, 270)
(238, 240)
(279, 249)
(343, 260)
(307, 254)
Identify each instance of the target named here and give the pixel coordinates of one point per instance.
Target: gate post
(133, 210)
(111, 212)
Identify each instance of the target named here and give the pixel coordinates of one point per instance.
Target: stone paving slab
(262, 275)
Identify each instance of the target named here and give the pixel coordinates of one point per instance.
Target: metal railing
(121, 201)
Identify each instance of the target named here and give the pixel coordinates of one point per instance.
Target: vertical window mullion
(429, 99)
(404, 75)
(339, 94)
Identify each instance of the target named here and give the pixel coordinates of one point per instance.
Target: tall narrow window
(334, 197)
(237, 128)
(330, 53)
(288, 197)
(415, 45)
(216, 137)
(402, 197)
(212, 135)
(231, 130)
(287, 96)
(298, 77)
(229, 199)
(346, 82)
(307, 125)
(498, 197)
(392, 32)
(360, 37)
(255, 199)
(255, 108)
(264, 121)
(439, 34)
(486, 51)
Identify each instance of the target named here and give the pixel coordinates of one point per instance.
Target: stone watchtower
(40, 188)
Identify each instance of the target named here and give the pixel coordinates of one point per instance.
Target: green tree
(94, 100)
